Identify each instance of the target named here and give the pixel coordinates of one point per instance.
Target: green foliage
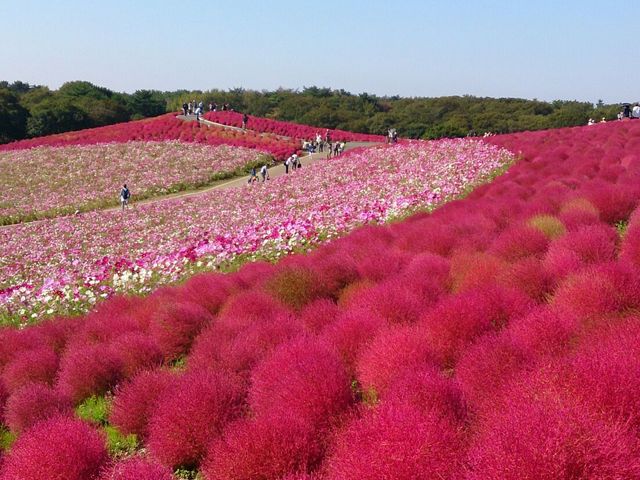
(13, 117)
(147, 103)
(94, 409)
(7, 437)
(120, 445)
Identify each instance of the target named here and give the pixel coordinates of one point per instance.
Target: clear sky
(545, 49)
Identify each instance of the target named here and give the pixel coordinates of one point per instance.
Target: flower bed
(288, 129)
(69, 263)
(51, 181)
(496, 338)
(162, 128)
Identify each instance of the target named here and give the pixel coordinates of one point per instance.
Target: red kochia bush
(32, 403)
(176, 325)
(519, 242)
(392, 352)
(88, 370)
(318, 314)
(457, 321)
(301, 378)
(266, 448)
(428, 390)
(136, 351)
(190, 414)
(296, 286)
(602, 289)
(551, 440)
(135, 401)
(209, 290)
(38, 365)
(136, 469)
(585, 246)
(56, 449)
(400, 442)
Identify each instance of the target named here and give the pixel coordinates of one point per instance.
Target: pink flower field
(68, 264)
(493, 338)
(50, 181)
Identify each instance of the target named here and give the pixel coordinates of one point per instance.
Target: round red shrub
(552, 439)
(190, 414)
(135, 468)
(27, 366)
(175, 326)
(399, 442)
(295, 286)
(608, 288)
(56, 449)
(88, 370)
(585, 246)
(32, 403)
(457, 321)
(266, 448)
(487, 367)
(135, 401)
(136, 351)
(303, 378)
(471, 270)
(427, 389)
(318, 314)
(350, 333)
(519, 242)
(209, 290)
(392, 352)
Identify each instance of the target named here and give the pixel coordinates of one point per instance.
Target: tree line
(35, 110)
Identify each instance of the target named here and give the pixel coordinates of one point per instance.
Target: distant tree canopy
(33, 110)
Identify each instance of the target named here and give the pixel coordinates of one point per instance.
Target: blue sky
(545, 49)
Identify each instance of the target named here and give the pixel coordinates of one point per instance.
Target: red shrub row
(288, 129)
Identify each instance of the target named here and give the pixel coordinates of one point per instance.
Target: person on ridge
(245, 119)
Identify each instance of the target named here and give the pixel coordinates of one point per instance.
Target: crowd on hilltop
(197, 108)
(628, 112)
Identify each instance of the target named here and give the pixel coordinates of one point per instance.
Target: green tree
(13, 117)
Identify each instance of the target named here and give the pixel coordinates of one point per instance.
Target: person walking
(264, 173)
(185, 108)
(253, 176)
(245, 120)
(125, 195)
(287, 162)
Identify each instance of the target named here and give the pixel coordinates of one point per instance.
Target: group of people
(197, 108)
(392, 136)
(320, 145)
(628, 112)
(253, 176)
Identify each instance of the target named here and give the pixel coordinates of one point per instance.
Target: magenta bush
(32, 403)
(56, 449)
(135, 468)
(318, 314)
(391, 353)
(88, 370)
(350, 333)
(609, 288)
(136, 351)
(552, 439)
(190, 414)
(302, 378)
(266, 448)
(519, 242)
(175, 326)
(457, 321)
(27, 366)
(430, 391)
(399, 442)
(135, 401)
